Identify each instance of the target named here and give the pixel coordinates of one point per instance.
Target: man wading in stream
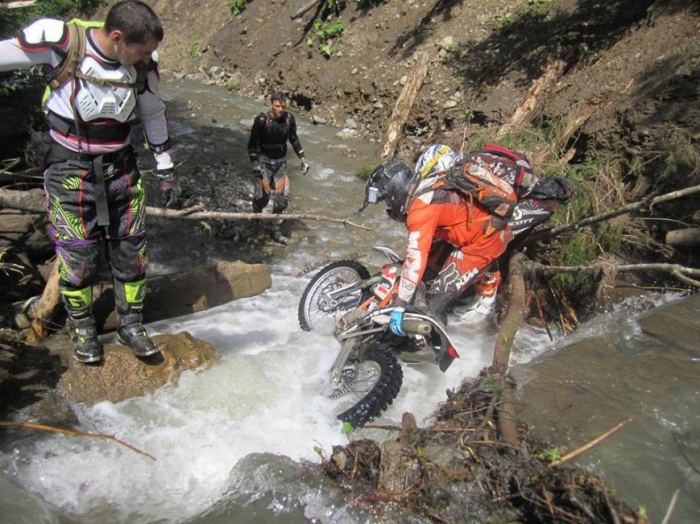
(101, 77)
(267, 150)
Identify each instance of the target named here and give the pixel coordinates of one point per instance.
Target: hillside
(624, 110)
(636, 60)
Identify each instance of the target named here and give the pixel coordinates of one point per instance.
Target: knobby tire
(384, 391)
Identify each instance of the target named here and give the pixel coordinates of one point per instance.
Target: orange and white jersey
(447, 215)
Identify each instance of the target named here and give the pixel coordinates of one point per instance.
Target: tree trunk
(683, 237)
(45, 310)
(33, 201)
(532, 102)
(392, 136)
(504, 342)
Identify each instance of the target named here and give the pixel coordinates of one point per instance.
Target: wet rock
(121, 375)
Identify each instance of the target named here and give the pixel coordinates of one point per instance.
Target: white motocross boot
(480, 310)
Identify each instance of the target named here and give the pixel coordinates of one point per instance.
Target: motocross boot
(128, 299)
(485, 301)
(82, 328)
(276, 227)
(480, 310)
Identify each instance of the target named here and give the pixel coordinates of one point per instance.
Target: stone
(121, 375)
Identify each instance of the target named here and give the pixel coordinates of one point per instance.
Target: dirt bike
(345, 300)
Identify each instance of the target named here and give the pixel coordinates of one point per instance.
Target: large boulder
(121, 375)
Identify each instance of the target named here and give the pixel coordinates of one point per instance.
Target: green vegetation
(193, 49)
(236, 6)
(365, 171)
(327, 34)
(333, 6)
(551, 454)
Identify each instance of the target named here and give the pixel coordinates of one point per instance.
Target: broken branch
(72, 433)
(590, 444)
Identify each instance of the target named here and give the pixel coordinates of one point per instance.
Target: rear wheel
(317, 310)
(370, 385)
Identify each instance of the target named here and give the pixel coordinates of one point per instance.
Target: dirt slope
(637, 58)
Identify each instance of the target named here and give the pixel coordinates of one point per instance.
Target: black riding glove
(169, 187)
(304, 167)
(257, 172)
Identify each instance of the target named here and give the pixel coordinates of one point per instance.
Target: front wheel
(318, 311)
(371, 382)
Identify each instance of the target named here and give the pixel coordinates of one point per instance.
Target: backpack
(69, 66)
(495, 177)
(499, 179)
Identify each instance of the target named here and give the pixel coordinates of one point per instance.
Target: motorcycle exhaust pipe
(416, 327)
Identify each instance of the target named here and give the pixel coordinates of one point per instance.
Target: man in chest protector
(93, 188)
(267, 150)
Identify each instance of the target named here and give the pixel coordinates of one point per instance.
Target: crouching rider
(101, 77)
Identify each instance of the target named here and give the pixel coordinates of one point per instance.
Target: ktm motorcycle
(343, 299)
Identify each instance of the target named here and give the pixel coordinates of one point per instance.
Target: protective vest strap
(93, 133)
(69, 68)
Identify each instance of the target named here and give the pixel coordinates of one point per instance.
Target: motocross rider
(93, 188)
(432, 162)
(432, 215)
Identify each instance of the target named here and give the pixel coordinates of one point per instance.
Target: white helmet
(435, 160)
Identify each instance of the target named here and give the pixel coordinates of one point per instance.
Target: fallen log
(531, 104)
(575, 123)
(44, 311)
(684, 237)
(646, 203)
(507, 423)
(392, 136)
(33, 201)
(682, 273)
(167, 296)
(303, 9)
(20, 3)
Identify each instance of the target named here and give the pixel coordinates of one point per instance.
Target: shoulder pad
(45, 30)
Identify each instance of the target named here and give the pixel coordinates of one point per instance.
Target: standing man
(101, 77)
(267, 149)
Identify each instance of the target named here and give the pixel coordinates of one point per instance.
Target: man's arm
(255, 138)
(421, 224)
(294, 138)
(154, 118)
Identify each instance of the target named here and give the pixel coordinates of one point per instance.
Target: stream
(228, 441)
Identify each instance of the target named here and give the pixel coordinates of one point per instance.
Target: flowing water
(228, 441)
